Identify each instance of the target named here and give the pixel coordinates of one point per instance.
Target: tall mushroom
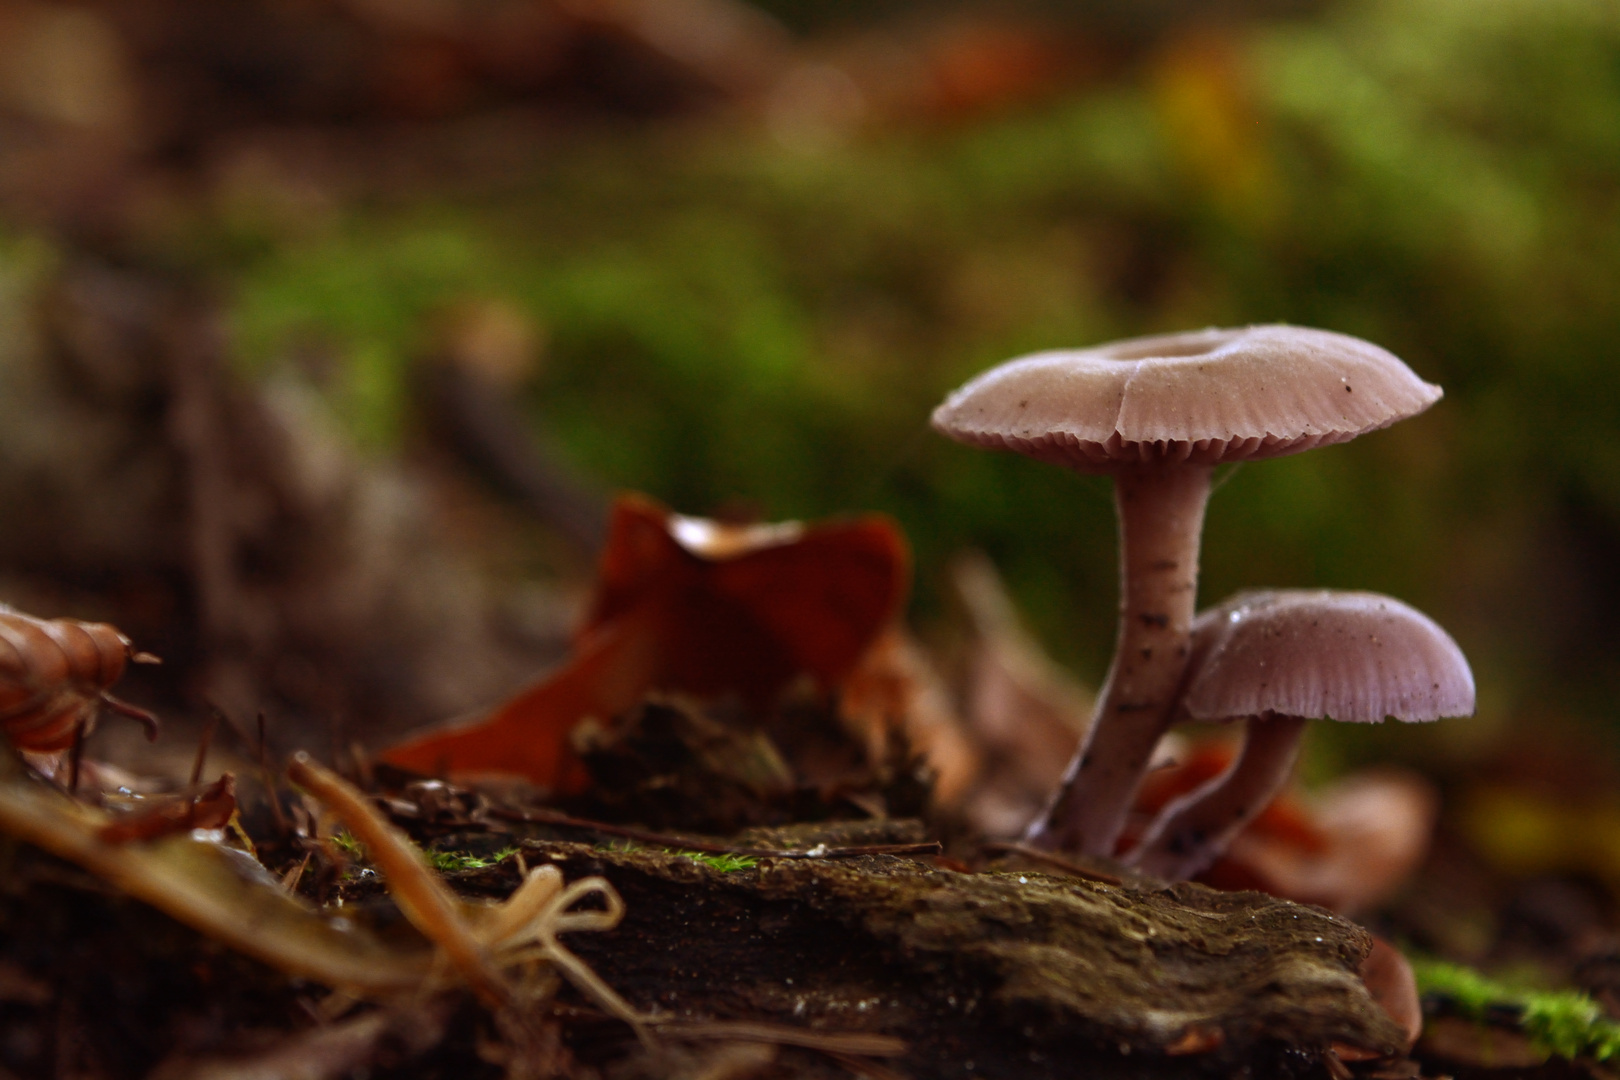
(1158, 414)
(1279, 658)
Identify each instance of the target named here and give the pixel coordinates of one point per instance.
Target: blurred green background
(757, 302)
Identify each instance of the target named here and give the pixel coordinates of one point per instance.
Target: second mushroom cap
(1352, 656)
(1280, 659)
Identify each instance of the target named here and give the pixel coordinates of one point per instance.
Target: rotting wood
(543, 816)
(1021, 973)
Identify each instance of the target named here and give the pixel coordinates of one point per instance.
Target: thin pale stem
(1161, 514)
(1191, 832)
(422, 896)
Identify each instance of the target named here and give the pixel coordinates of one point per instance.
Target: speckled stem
(1193, 830)
(1161, 514)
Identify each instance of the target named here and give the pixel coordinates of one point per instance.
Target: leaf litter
(740, 700)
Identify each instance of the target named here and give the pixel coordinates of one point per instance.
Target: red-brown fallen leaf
(1025, 716)
(1376, 825)
(696, 607)
(746, 609)
(210, 808)
(981, 66)
(54, 678)
(1346, 849)
(1285, 821)
(1197, 1039)
(894, 688)
(1393, 985)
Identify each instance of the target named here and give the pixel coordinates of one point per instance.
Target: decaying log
(1011, 973)
(1001, 974)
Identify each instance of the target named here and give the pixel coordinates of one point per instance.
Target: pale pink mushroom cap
(1208, 396)
(1348, 656)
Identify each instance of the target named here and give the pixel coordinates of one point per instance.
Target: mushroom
(1158, 414)
(1278, 658)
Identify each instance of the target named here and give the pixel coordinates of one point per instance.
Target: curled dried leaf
(210, 807)
(213, 890)
(693, 607)
(523, 929)
(55, 675)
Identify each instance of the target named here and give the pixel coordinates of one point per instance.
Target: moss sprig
(1563, 1022)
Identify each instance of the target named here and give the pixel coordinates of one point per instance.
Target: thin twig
(296, 874)
(203, 741)
(1068, 866)
(866, 1070)
(421, 896)
(710, 847)
(844, 1046)
(75, 757)
(832, 1042)
(362, 765)
(144, 717)
(268, 778)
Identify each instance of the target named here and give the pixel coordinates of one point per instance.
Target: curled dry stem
(202, 885)
(522, 929)
(420, 894)
(144, 717)
(525, 928)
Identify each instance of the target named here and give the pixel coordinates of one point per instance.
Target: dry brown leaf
(895, 688)
(1025, 714)
(696, 607)
(1375, 828)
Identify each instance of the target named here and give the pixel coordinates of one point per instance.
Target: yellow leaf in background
(1208, 115)
(1523, 833)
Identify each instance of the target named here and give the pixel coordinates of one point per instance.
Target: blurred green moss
(730, 320)
(1563, 1022)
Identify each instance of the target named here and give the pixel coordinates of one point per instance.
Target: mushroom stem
(1161, 514)
(1191, 831)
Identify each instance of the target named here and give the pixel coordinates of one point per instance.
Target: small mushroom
(1158, 414)
(1277, 658)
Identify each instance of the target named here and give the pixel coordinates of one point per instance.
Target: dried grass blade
(420, 894)
(197, 883)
